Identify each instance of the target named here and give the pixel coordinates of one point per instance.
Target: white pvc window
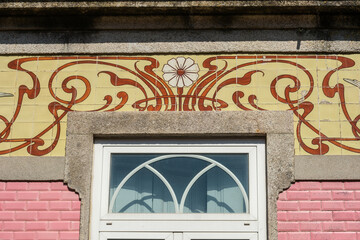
(179, 183)
(178, 186)
(176, 236)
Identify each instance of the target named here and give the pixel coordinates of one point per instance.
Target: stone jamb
(276, 127)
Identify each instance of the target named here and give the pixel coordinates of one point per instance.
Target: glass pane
(238, 164)
(179, 171)
(191, 183)
(144, 193)
(215, 192)
(224, 239)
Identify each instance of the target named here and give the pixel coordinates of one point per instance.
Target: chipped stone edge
(276, 127)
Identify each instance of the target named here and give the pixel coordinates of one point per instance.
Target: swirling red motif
(158, 96)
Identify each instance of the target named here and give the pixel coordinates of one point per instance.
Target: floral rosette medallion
(180, 72)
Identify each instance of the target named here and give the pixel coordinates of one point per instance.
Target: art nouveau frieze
(322, 91)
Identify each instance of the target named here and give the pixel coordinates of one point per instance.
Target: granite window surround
(275, 127)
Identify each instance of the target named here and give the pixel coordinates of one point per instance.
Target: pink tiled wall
(38, 210)
(307, 210)
(320, 211)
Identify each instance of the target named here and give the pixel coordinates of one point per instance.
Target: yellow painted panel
(323, 91)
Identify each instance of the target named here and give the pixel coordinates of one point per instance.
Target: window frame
(254, 222)
(176, 236)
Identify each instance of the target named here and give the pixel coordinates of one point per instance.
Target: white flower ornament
(180, 72)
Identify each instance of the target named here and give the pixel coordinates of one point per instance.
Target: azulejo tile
(321, 90)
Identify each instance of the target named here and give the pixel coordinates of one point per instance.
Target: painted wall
(320, 210)
(38, 210)
(323, 91)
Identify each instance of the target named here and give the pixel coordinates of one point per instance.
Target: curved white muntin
(191, 183)
(167, 184)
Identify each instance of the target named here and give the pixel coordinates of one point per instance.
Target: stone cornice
(169, 7)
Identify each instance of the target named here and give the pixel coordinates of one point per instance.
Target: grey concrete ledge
(32, 168)
(327, 167)
(227, 123)
(180, 41)
(139, 3)
(141, 7)
(275, 127)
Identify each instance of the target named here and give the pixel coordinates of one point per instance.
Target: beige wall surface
(322, 91)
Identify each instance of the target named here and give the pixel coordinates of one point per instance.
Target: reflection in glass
(178, 183)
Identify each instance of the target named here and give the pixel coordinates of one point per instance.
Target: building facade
(180, 120)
